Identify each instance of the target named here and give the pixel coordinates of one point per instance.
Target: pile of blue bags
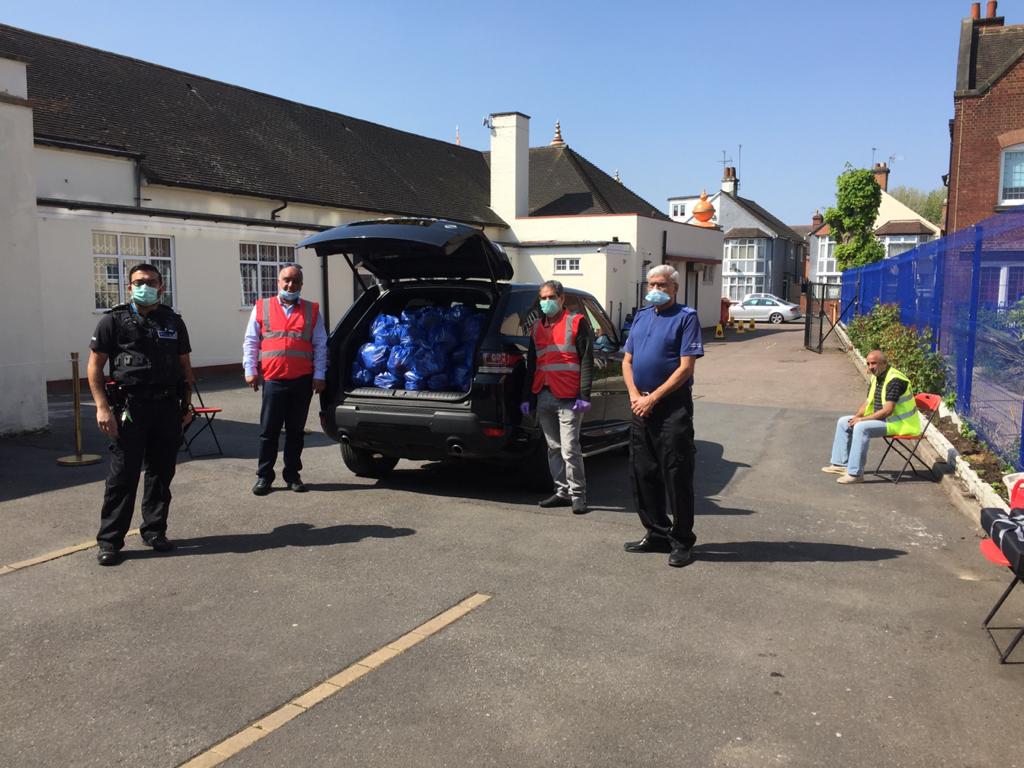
(426, 348)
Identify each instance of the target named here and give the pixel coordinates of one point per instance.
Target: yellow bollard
(739, 327)
(752, 324)
(719, 333)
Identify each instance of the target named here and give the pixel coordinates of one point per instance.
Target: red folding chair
(204, 416)
(906, 445)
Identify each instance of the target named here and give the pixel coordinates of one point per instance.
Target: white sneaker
(834, 469)
(847, 479)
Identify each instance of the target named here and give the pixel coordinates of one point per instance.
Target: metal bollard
(79, 459)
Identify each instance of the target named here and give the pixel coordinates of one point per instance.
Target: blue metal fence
(968, 288)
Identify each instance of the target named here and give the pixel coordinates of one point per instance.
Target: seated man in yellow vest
(888, 410)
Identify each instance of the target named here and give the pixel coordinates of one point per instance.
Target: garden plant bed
(985, 464)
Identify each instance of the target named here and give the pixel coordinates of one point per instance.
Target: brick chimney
(817, 220)
(881, 174)
(730, 182)
(510, 165)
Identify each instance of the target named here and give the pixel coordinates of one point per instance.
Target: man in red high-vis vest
(559, 374)
(285, 345)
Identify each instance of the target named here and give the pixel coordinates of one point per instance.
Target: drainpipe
(138, 181)
(273, 213)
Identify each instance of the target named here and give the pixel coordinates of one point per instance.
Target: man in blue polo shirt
(661, 351)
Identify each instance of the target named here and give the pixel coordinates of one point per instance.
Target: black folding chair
(906, 446)
(202, 416)
(1005, 546)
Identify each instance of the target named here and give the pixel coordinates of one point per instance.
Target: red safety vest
(558, 364)
(286, 351)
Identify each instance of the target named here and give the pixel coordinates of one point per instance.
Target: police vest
(286, 351)
(147, 359)
(904, 419)
(558, 363)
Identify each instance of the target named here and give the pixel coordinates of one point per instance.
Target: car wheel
(364, 463)
(775, 318)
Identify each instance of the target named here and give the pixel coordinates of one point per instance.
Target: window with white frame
(258, 265)
(114, 253)
(743, 266)
(1011, 184)
(675, 209)
(897, 244)
(738, 286)
(567, 266)
(709, 274)
(826, 266)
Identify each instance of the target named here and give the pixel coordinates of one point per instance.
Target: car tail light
(498, 362)
(493, 431)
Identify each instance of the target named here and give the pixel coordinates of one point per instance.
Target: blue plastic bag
(411, 334)
(385, 329)
(472, 328)
(374, 356)
(444, 335)
(463, 355)
(398, 360)
(414, 381)
(439, 382)
(431, 316)
(386, 381)
(458, 313)
(360, 376)
(462, 377)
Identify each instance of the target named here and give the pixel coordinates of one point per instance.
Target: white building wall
(84, 176)
(23, 405)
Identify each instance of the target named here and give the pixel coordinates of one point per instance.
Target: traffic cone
(752, 324)
(719, 333)
(739, 327)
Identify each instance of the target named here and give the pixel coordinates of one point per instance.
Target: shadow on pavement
(290, 535)
(790, 552)
(240, 440)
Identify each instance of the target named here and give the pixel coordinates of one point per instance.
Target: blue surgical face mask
(289, 295)
(657, 298)
(549, 307)
(144, 295)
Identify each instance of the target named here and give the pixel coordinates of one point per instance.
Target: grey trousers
(561, 426)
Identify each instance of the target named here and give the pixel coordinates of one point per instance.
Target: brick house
(986, 158)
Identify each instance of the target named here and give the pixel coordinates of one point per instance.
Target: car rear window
(520, 313)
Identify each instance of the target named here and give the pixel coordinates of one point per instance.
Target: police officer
(660, 354)
(142, 409)
(559, 375)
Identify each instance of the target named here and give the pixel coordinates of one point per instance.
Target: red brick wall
(976, 154)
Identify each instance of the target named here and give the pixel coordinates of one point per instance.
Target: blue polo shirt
(658, 339)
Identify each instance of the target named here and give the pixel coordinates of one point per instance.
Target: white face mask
(289, 295)
(657, 298)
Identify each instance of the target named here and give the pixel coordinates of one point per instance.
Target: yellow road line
(269, 723)
(57, 553)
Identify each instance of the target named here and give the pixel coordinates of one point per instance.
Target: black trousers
(662, 461)
(285, 403)
(148, 439)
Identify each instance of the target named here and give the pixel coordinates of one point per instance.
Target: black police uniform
(147, 394)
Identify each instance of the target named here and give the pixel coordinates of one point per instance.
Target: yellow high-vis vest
(904, 419)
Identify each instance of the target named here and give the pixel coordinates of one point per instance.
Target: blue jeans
(850, 448)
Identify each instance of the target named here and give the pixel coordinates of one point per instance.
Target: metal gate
(824, 312)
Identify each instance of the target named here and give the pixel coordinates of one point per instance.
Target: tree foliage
(852, 220)
(926, 204)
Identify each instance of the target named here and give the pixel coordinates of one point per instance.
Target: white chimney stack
(730, 184)
(510, 165)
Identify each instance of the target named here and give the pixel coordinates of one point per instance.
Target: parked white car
(765, 296)
(773, 310)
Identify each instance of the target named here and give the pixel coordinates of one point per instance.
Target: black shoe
(579, 507)
(648, 544)
(159, 543)
(679, 556)
(262, 487)
(555, 501)
(108, 557)
(297, 485)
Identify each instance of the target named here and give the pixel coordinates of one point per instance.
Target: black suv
(429, 262)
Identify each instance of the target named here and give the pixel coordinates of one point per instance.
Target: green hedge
(908, 349)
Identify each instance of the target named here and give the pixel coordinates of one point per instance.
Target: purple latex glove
(581, 406)
(524, 408)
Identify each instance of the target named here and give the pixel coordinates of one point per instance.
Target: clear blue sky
(654, 89)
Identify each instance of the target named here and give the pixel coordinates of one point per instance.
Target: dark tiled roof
(564, 183)
(736, 232)
(201, 133)
(986, 53)
(907, 227)
(802, 229)
(776, 225)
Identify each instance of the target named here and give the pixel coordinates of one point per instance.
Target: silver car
(772, 310)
